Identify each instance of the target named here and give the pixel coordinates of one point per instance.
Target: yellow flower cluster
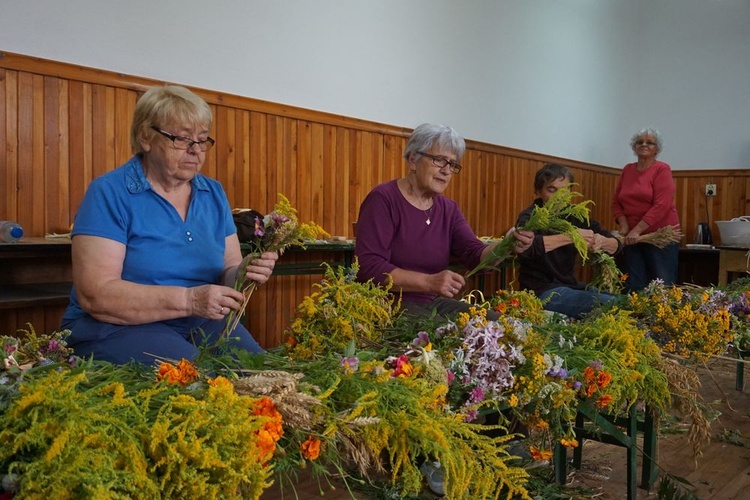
(339, 312)
(682, 323)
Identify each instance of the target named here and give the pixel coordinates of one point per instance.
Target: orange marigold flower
(542, 424)
(539, 455)
(624, 277)
(514, 302)
(311, 448)
(501, 308)
(168, 372)
(569, 443)
(188, 373)
(590, 390)
(603, 379)
(589, 374)
(603, 401)
(219, 381)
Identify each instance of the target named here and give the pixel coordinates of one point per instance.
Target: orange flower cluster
(569, 442)
(593, 381)
(184, 373)
(539, 454)
(311, 448)
(272, 429)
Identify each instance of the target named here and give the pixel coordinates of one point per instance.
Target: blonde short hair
(165, 105)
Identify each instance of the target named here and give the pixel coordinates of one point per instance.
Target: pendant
(427, 221)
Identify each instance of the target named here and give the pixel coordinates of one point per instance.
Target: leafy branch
(554, 217)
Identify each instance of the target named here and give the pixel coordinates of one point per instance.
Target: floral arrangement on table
(358, 390)
(97, 430)
(685, 321)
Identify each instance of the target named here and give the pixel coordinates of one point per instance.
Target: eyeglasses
(441, 162)
(185, 143)
(647, 143)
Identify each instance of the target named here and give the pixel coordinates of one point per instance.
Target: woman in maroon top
(408, 232)
(643, 203)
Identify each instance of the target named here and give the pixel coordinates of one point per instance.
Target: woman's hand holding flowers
(260, 269)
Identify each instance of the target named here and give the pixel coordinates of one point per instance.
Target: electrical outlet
(710, 189)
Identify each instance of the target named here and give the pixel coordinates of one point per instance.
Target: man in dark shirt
(548, 266)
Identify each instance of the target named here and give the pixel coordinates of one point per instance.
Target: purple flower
(422, 340)
(350, 365)
(597, 365)
(259, 231)
(559, 373)
(471, 415)
(451, 376)
(52, 346)
(477, 395)
(577, 385)
(278, 219)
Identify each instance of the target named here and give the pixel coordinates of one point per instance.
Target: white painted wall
(571, 78)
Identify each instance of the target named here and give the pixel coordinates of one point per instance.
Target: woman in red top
(643, 203)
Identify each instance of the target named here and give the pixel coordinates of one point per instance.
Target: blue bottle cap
(16, 232)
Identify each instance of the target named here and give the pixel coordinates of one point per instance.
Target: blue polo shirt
(161, 248)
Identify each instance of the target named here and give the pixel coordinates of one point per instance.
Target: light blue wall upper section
(571, 78)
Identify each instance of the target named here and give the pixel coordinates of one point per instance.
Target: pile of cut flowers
(359, 391)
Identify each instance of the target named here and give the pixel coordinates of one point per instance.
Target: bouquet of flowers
(554, 217)
(273, 233)
(684, 321)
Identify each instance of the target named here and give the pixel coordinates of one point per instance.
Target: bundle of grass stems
(659, 238)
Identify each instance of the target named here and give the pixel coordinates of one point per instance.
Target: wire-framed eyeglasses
(180, 142)
(441, 161)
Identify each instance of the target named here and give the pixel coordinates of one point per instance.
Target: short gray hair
(428, 135)
(647, 131)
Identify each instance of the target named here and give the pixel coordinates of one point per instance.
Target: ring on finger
(221, 310)
(453, 290)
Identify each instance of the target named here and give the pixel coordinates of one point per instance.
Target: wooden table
(298, 260)
(732, 260)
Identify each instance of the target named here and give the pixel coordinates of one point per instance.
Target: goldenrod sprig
(554, 217)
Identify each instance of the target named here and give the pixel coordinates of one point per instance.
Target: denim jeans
(575, 303)
(173, 339)
(645, 262)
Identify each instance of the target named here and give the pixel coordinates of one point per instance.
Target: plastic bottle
(10, 231)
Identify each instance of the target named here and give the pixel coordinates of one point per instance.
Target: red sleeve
(664, 192)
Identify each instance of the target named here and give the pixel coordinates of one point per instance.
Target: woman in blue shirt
(155, 249)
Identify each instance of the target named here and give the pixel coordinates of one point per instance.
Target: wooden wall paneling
(332, 218)
(341, 175)
(34, 204)
(80, 146)
(257, 175)
(124, 107)
(22, 212)
(103, 131)
(8, 144)
(55, 171)
(318, 166)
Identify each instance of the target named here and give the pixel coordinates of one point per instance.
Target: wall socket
(710, 189)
